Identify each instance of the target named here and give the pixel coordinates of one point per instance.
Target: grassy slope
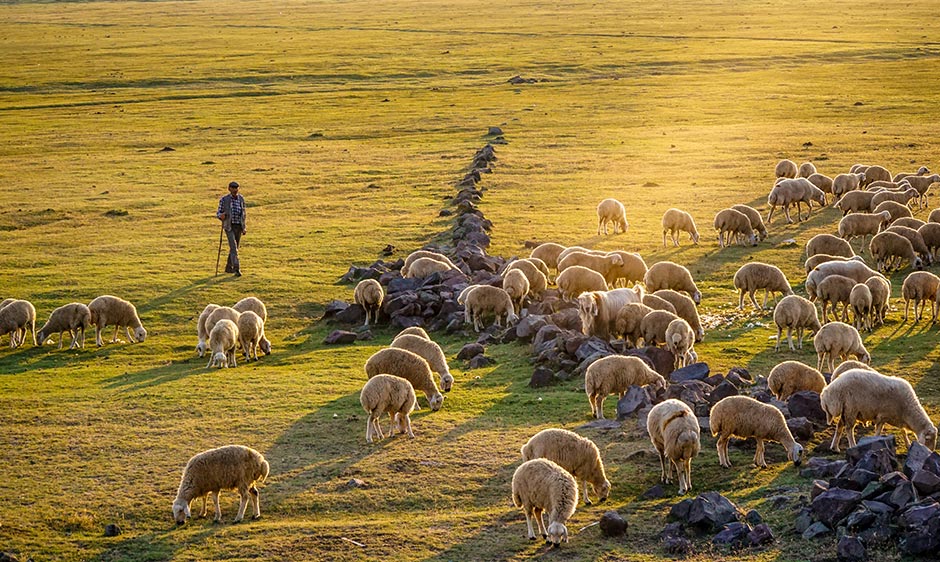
(289, 98)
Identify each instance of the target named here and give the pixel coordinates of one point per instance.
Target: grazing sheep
(856, 202)
(516, 286)
(669, 275)
(838, 340)
(920, 287)
(685, 309)
(823, 182)
(232, 467)
(897, 210)
(250, 333)
(736, 225)
(757, 223)
(675, 433)
(880, 294)
(598, 309)
(578, 279)
(73, 318)
(862, 224)
(922, 185)
(653, 326)
(222, 341)
(578, 455)
(817, 259)
(201, 331)
(828, 244)
(743, 417)
(846, 366)
(627, 324)
(884, 186)
(539, 264)
(786, 169)
(807, 169)
(794, 192)
(487, 300)
(220, 313)
(431, 352)
(857, 168)
(607, 265)
(540, 486)
(407, 365)
(793, 312)
(835, 290)
(914, 237)
(369, 294)
(909, 222)
(930, 233)
(680, 339)
(901, 197)
(791, 377)
(388, 394)
(615, 374)
(109, 310)
(861, 301)
(548, 253)
(658, 303)
(868, 396)
(538, 281)
(922, 171)
(414, 331)
(844, 183)
(253, 304)
(676, 221)
(425, 267)
(890, 250)
(418, 254)
(853, 269)
(754, 276)
(18, 318)
(876, 173)
(632, 270)
(564, 253)
(611, 211)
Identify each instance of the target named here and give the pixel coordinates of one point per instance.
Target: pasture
(347, 124)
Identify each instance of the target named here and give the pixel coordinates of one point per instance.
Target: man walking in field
(232, 212)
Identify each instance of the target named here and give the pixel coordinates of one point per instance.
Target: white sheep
(387, 394)
(901, 197)
(538, 281)
(897, 210)
(578, 455)
(611, 211)
(909, 222)
(684, 308)
(676, 221)
(844, 183)
(219, 313)
(541, 487)
(813, 261)
(675, 433)
(548, 253)
(786, 169)
(425, 267)
(757, 222)
(253, 304)
(868, 396)
(822, 181)
(838, 340)
(890, 250)
(579, 279)
(250, 333)
(109, 310)
(73, 318)
(796, 191)
(488, 300)
(628, 322)
(915, 238)
(855, 202)
(930, 233)
(861, 302)
(407, 365)
(201, 332)
(18, 318)
(414, 331)
(920, 287)
(743, 417)
(632, 270)
(736, 225)
(516, 286)
(835, 290)
(232, 467)
(791, 377)
(669, 275)
(862, 224)
(615, 374)
(807, 169)
(680, 339)
(657, 302)
(653, 326)
(223, 340)
(922, 171)
(369, 294)
(880, 294)
(876, 173)
(795, 313)
(418, 254)
(852, 269)
(431, 352)
(922, 185)
(847, 366)
(598, 309)
(828, 244)
(608, 265)
(754, 276)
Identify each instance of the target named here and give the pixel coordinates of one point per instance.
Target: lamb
(835, 289)
(844, 183)
(853, 269)
(369, 294)
(930, 233)
(860, 300)
(655, 302)
(73, 318)
(632, 270)
(846, 366)
(431, 352)
(486, 299)
(516, 286)
(880, 293)
(753, 276)
(917, 241)
(920, 287)
(253, 304)
(653, 326)
(856, 202)
(540, 486)
(795, 313)
(680, 339)
(538, 281)
(791, 377)
(896, 209)
(418, 254)
(407, 365)
(598, 309)
(743, 417)
(838, 340)
(232, 467)
(890, 250)
(786, 169)
(611, 211)
(425, 267)
(201, 332)
(670, 275)
(876, 173)
(807, 169)
(615, 374)
(685, 309)
(548, 253)
(884, 186)
(414, 331)
(578, 279)
(18, 318)
(628, 320)
(757, 223)
(868, 396)
(909, 222)
(675, 433)
(250, 334)
(607, 265)
(736, 225)
(676, 221)
(922, 171)
(109, 310)
(222, 341)
(828, 244)
(392, 395)
(862, 224)
(576, 454)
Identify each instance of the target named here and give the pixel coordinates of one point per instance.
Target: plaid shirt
(238, 210)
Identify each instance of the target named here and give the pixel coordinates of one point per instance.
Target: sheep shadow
(159, 545)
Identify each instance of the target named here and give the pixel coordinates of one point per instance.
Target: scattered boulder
(340, 337)
(612, 524)
(850, 549)
(541, 377)
(817, 529)
(481, 361)
(834, 505)
(801, 428)
(710, 512)
(760, 535)
(733, 535)
(112, 530)
(695, 371)
(635, 399)
(805, 404)
(470, 351)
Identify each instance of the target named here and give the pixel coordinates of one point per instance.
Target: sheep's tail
(265, 470)
(675, 416)
(640, 291)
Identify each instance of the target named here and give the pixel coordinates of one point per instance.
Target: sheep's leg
(722, 447)
(825, 307)
(837, 436)
(687, 464)
(255, 497)
(799, 334)
(242, 504)
(786, 213)
(369, 423)
(405, 424)
(599, 406)
(790, 338)
(907, 438)
(218, 508)
(780, 333)
(675, 238)
(662, 466)
(764, 304)
(770, 215)
(528, 522)
(115, 338)
(584, 494)
(205, 505)
(720, 240)
(741, 299)
(819, 361)
(918, 311)
(544, 524)
(664, 238)
(750, 295)
(669, 466)
(98, 341)
(759, 455)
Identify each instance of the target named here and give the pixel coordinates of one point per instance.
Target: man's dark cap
(233, 184)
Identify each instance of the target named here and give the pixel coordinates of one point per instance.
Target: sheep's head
(752, 239)
(929, 438)
(512, 318)
(923, 171)
(917, 264)
(265, 345)
(795, 454)
(557, 533)
(697, 297)
(41, 338)
(865, 358)
(201, 348)
(603, 491)
(220, 359)
(436, 400)
(140, 334)
(181, 511)
(447, 382)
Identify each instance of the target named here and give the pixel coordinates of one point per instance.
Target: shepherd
(234, 216)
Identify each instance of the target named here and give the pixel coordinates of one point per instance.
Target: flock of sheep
(18, 318)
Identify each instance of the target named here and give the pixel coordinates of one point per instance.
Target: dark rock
(801, 428)
(803, 521)
(817, 529)
(877, 507)
(653, 493)
(470, 351)
(924, 539)
(893, 479)
(544, 335)
(661, 360)
(713, 380)
(834, 505)
(860, 519)
(571, 341)
(737, 381)
(340, 336)
(740, 372)
(902, 495)
(872, 490)
(680, 511)
(917, 454)
(592, 346)
(818, 467)
(356, 274)
(760, 535)
(695, 371)
(932, 464)
(733, 535)
(805, 404)
(881, 461)
(353, 314)
(723, 390)
(763, 396)
(9, 557)
(401, 321)
(541, 377)
(926, 482)
(874, 443)
(862, 477)
(711, 511)
(567, 319)
(918, 515)
(112, 530)
(679, 546)
(334, 307)
(753, 518)
(635, 399)
(529, 326)
(403, 284)
(612, 524)
(364, 335)
(851, 549)
(480, 361)
(601, 424)
(819, 487)
(355, 483)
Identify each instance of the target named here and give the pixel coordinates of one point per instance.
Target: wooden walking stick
(219, 258)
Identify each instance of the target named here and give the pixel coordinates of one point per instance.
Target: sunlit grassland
(347, 124)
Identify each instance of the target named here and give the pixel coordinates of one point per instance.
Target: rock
(737, 380)
(661, 360)
(112, 530)
(753, 518)
(711, 511)
(818, 467)
(364, 335)
(353, 314)
(926, 482)
(695, 371)
(680, 546)
(494, 131)
(571, 341)
(604, 424)
(403, 285)
(334, 307)
(834, 505)
(402, 321)
(803, 521)
(801, 428)
(634, 400)
(924, 539)
(932, 464)
(862, 477)
(860, 519)
(917, 454)
(541, 377)
(805, 404)
(529, 326)
(9, 557)
(545, 335)
(470, 351)
(902, 495)
(713, 380)
(850, 549)
(760, 535)
(567, 319)
(612, 524)
(653, 493)
(881, 461)
(592, 346)
(918, 515)
(740, 372)
(340, 336)
(734, 535)
(723, 390)
(481, 361)
(680, 511)
(817, 529)
(874, 443)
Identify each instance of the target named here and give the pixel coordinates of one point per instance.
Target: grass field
(347, 124)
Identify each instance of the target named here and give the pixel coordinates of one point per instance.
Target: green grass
(689, 104)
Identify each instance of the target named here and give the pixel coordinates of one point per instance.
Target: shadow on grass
(158, 546)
